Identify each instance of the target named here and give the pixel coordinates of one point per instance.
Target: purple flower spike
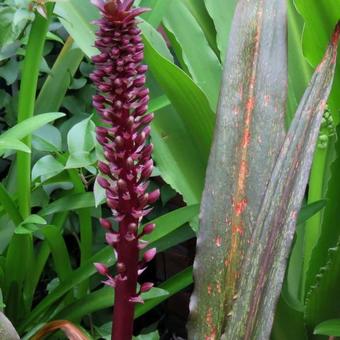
(122, 102)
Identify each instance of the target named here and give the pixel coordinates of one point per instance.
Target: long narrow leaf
(248, 135)
(266, 258)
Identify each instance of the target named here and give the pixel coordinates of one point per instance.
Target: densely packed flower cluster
(122, 101)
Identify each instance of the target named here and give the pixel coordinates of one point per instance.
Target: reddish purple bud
(142, 69)
(101, 268)
(139, 81)
(106, 224)
(103, 182)
(149, 228)
(146, 286)
(153, 196)
(149, 254)
(147, 171)
(147, 119)
(104, 168)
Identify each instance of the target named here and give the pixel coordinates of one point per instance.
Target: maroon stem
(123, 312)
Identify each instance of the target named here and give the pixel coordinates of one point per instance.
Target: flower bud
(149, 228)
(146, 286)
(149, 254)
(104, 168)
(103, 182)
(106, 224)
(101, 268)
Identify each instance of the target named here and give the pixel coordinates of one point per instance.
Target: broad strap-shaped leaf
(266, 258)
(248, 136)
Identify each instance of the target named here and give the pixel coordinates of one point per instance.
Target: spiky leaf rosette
(122, 101)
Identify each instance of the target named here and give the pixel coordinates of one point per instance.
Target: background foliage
(46, 270)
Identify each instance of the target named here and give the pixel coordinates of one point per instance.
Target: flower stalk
(122, 101)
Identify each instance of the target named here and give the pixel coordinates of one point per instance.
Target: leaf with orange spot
(265, 264)
(248, 135)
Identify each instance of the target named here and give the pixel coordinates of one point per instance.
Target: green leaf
(55, 86)
(288, 323)
(248, 136)
(329, 328)
(176, 155)
(29, 225)
(59, 251)
(311, 209)
(156, 40)
(29, 125)
(13, 144)
(329, 229)
(100, 299)
(204, 66)
(221, 12)
(199, 11)
(80, 141)
(322, 301)
(154, 293)
(159, 9)
(320, 17)
(47, 138)
(169, 222)
(299, 70)
(188, 100)
(275, 225)
(68, 203)
(45, 168)
(76, 16)
(149, 336)
(10, 71)
(99, 194)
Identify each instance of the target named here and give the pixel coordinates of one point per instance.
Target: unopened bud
(149, 254)
(153, 196)
(101, 268)
(149, 228)
(104, 168)
(106, 224)
(146, 286)
(103, 182)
